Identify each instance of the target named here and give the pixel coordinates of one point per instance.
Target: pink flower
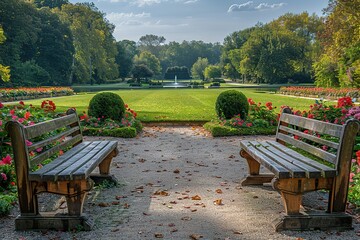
(1, 105)
(28, 143)
(0, 122)
(351, 177)
(39, 150)
(4, 177)
(6, 160)
(324, 147)
(249, 124)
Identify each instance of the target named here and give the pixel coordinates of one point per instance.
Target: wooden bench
(67, 175)
(294, 173)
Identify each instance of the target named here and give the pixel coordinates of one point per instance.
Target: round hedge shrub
(231, 103)
(107, 105)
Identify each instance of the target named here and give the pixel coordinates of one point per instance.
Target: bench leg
(75, 204)
(291, 202)
(254, 178)
(104, 166)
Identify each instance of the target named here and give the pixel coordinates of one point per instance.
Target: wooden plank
(47, 154)
(83, 168)
(96, 160)
(310, 137)
(312, 124)
(338, 196)
(48, 126)
(79, 158)
(274, 167)
(296, 172)
(310, 171)
(326, 170)
(37, 175)
(308, 148)
(52, 139)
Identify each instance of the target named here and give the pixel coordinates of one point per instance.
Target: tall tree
(149, 60)
(124, 59)
(151, 43)
(198, 68)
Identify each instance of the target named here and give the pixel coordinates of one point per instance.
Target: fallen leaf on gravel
(186, 218)
(237, 232)
(161, 193)
(187, 206)
(232, 156)
(196, 197)
(146, 214)
(115, 230)
(196, 236)
(218, 202)
(171, 224)
(176, 171)
(126, 205)
(223, 183)
(193, 210)
(173, 202)
(200, 204)
(173, 230)
(119, 197)
(159, 235)
(102, 204)
(219, 191)
(115, 203)
(255, 197)
(142, 160)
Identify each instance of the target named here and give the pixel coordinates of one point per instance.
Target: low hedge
(123, 132)
(218, 130)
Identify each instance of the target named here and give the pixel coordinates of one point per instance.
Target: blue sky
(206, 20)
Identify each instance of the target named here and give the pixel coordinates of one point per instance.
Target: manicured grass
(176, 104)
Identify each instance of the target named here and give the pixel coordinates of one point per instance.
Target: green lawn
(176, 104)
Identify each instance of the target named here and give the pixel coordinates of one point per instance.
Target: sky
(206, 20)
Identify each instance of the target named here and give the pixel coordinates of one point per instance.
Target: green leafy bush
(107, 105)
(123, 132)
(219, 130)
(231, 103)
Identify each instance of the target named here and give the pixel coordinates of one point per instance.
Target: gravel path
(180, 183)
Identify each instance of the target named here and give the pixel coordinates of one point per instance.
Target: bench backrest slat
(53, 139)
(48, 126)
(45, 155)
(308, 148)
(312, 124)
(310, 137)
(321, 139)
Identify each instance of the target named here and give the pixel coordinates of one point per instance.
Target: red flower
(27, 115)
(22, 103)
(1, 105)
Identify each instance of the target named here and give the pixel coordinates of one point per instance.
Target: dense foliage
(321, 92)
(231, 103)
(107, 105)
(179, 72)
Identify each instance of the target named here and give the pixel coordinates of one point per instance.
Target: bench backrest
(330, 142)
(35, 143)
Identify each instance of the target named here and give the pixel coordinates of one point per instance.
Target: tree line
(47, 42)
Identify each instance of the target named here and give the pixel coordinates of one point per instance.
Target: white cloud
(191, 1)
(251, 6)
(142, 3)
(128, 18)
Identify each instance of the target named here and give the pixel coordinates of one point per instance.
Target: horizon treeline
(47, 42)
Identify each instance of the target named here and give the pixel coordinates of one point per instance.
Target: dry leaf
(161, 193)
(126, 205)
(103, 204)
(193, 210)
(171, 224)
(219, 191)
(159, 235)
(218, 202)
(173, 230)
(196, 197)
(196, 236)
(115, 203)
(176, 171)
(237, 232)
(186, 218)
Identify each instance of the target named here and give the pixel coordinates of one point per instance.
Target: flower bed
(317, 92)
(14, 94)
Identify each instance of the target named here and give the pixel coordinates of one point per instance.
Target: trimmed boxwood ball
(107, 105)
(231, 103)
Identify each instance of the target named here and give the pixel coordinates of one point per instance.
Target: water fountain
(175, 84)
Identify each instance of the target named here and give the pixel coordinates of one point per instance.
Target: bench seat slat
(276, 168)
(88, 167)
(312, 124)
(48, 126)
(66, 168)
(310, 137)
(307, 147)
(325, 170)
(82, 169)
(37, 175)
(295, 171)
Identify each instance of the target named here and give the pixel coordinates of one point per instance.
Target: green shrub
(231, 103)
(218, 130)
(107, 105)
(123, 132)
(6, 203)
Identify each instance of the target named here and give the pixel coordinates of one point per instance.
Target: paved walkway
(180, 183)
